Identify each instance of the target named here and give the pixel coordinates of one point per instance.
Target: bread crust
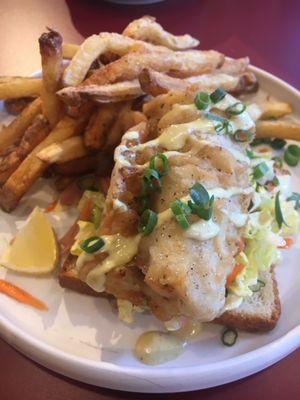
(238, 320)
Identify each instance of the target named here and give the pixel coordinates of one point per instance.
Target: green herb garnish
(260, 170)
(235, 109)
(242, 135)
(181, 210)
(202, 100)
(278, 213)
(217, 95)
(292, 155)
(162, 171)
(147, 222)
(277, 143)
(92, 244)
(229, 337)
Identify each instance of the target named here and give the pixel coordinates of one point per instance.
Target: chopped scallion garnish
(217, 95)
(202, 100)
(292, 155)
(259, 285)
(277, 143)
(148, 221)
(242, 135)
(201, 204)
(164, 168)
(151, 180)
(181, 210)
(235, 109)
(278, 213)
(92, 244)
(214, 117)
(260, 170)
(229, 337)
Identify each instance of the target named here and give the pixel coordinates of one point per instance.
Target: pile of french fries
(70, 120)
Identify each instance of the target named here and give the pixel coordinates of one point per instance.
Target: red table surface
(265, 30)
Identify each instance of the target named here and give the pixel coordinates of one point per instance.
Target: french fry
(274, 109)
(13, 132)
(13, 87)
(100, 163)
(112, 93)
(52, 68)
(16, 106)
(278, 129)
(97, 45)
(32, 167)
(67, 150)
(156, 83)
(69, 50)
(235, 66)
(181, 64)
(126, 119)
(147, 29)
(33, 135)
(98, 126)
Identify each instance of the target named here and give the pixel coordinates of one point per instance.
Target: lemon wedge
(33, 250)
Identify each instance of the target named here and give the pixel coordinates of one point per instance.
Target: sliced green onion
(202, 100)
(277, 162)
(226, 125)
(180, 210)
(236, 108)
(229, 337)
(260, 170)
(242, 135)
(214, 117)
(96, 215)
(217, 95)
(250, 153)
(203, 211)
(92, 244)
(165, 164)
(292, 155)
(151, 180)
(259, 285)
(275, 181)
(277, 143)
(278, 213)
(147, 223)
(259, 141)
(199, 194)
(296, 198)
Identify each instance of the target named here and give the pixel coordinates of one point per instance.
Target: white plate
(82, 338)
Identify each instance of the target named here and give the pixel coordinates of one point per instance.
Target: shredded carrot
(51, 206)
(104, 184)
(20, 295)
(231, 277)
(240, 245)
(288, 243)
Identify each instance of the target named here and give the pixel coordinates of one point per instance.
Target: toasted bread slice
(68, 278)
(259, 313)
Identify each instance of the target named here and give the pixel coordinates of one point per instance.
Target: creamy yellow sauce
(155, 347)
(120, 251)
(202, 230)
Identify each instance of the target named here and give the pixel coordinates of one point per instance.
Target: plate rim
(67, 364)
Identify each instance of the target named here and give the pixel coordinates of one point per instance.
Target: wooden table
(266, 30)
